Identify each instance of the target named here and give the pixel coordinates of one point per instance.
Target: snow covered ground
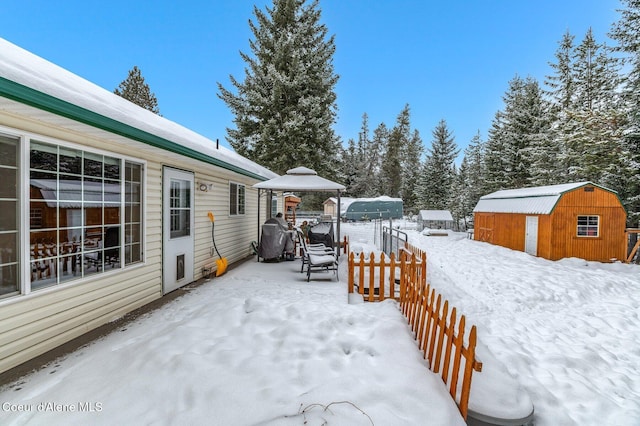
(260, 345)
(568, 331)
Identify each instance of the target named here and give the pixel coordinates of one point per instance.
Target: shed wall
(33, 324)
(557, 232)
(610, 244)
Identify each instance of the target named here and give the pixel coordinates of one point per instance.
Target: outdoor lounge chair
(317, 258)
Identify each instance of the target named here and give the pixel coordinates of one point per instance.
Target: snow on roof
(300, 179)
(435, 215)
(534, 200)
(344, 202)
(380, 198)
(29, 70)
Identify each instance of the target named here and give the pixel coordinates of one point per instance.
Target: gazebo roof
(300, 179)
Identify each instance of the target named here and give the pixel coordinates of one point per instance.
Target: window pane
(92, 164)
(133, 213)
(111, 214)
(233, 199)
(180, 212)
(8, 279)
(241, 199)
(112, 191)
(112, 168)
(70, 161)
(92, 189)
(8, 248)
(70, 189)
(44, 185)
(44, 156)
(93, 214)
(8, 182)
(9, 216)
(8, 151)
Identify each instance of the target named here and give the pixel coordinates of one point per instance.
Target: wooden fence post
(351, 273)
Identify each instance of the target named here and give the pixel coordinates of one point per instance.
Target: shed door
(177, 229)
(531, 236)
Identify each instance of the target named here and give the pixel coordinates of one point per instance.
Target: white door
(177, 229)
(531, 236)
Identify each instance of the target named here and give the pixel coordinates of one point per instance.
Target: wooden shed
(582, 220)
(103, 206)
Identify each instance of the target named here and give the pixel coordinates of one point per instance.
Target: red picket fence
(439, 335)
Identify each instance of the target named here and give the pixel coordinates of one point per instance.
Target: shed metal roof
(534, 200)
(436, 215)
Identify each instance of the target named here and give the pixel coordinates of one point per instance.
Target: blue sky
(448, 60)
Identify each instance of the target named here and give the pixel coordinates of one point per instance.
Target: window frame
(25, 284)
(237, 199)
(584, 230)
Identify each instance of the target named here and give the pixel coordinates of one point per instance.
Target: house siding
(43, 320)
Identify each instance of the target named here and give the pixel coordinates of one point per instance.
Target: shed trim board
(58, 127)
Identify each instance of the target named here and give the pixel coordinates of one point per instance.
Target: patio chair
(317, 258)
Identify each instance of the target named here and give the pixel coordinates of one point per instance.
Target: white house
(103, 205)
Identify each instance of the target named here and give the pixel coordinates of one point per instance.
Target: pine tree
(518, 136)
(626, 32)
(474, 179)
(411, 172)
(286, 106)
(434, 190)
(495, 164)
(134, 89)
(593, 132)
(391, 167)
(379, 142)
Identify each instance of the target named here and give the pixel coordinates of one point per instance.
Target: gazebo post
(258, 254)
(338, 224)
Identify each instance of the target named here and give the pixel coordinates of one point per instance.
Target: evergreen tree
(134, 89)
(626, 32)
(593, 132)
(459, 201)
(286, 106)
(391, 167)
(379, 142)
(411, 172)
(495, 164)
(434, 191)
(474, 179)
(518, 137)
(561, 83)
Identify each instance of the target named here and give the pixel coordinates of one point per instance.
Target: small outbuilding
(435, 219)
(330, 205)
(582, 220)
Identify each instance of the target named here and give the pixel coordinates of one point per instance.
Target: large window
(9, 218)
(236, 198)
(588, 226)
(76, 221)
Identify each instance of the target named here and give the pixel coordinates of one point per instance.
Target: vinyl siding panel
(33, 324)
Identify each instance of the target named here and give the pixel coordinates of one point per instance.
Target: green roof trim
(26, 95)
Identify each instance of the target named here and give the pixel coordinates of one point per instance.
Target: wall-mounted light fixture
(204, 187)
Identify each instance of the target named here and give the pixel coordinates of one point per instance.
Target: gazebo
(300, 179)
